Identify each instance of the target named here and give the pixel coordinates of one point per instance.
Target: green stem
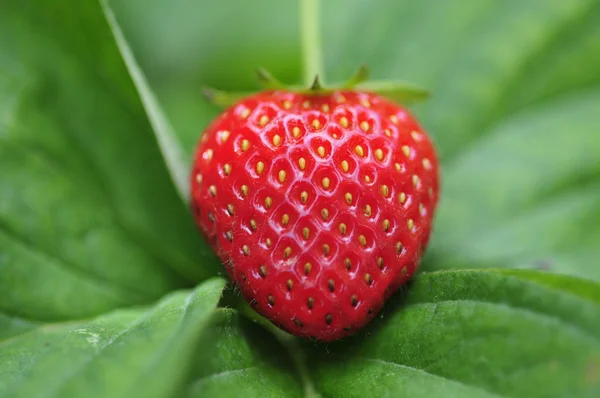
(311, 41)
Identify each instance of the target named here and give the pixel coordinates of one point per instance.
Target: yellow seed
(415, 136)
(287, 104)
(397, 166)
(380, 262)
(325, 108)
(410, 224)
(347, 263)
(306, 104)
(199, 178)
(264, 119)
(285, 219)
(406, 150)
(227, 169)
(385, 191)
(326, 182)
(245, 113)
(399, 247)
(224, 135)
(282, 175)
(368, 279)
(325, 214)
(268, 202)
(253, 225)
(421, 209)
(229, 235)
(415, 180)
(331, 285)
(362, 240)
(387, 132)
(262, 270)
(365, 103)
(287, 252)
(379, 154)
(348, 197)
(321, 151)
(359, 150)
(296, 131)
(260, 167)
(368, 210)
(316, 124)
(367, 179)
(303, 196)
(345, 166)
(245, 145)
(213, 190)
(426, 164)
(342, 228)
(268, 242)
(394, 119)
(344, 121)
(290, 284)
(402, 198)
(245, 250)
(302, 163)
(340, 98)
(307, 268)
(364, 125)
(305, 232)
(276, 139)
(385, 225)
(244, 190)
(208, 154)
(325, 249)
(230, 209)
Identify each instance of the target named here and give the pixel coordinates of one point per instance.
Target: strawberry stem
(311, 41)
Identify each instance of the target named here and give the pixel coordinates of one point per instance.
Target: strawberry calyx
(397, 91)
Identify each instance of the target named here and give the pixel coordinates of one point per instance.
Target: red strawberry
(320, 205)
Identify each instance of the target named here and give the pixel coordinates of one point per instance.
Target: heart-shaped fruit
(319, 204)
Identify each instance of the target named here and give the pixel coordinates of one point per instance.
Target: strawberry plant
(108, 289)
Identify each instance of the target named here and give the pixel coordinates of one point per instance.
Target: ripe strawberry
(320, 205)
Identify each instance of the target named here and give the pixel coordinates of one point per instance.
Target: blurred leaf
(169, 143)
(472, 334)
(126, 353)
(88, 217)
(185, 45)
(514, 113)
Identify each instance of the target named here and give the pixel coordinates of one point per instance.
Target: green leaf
(514, 114)
(89, 220)
(177, 163)
(238, 358)
(126, 353)
(472, 333)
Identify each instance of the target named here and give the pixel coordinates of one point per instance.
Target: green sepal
(224, 98)
(397, 91)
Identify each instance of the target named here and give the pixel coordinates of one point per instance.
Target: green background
(106, 289)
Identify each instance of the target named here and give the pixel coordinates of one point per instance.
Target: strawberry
(319, 205)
